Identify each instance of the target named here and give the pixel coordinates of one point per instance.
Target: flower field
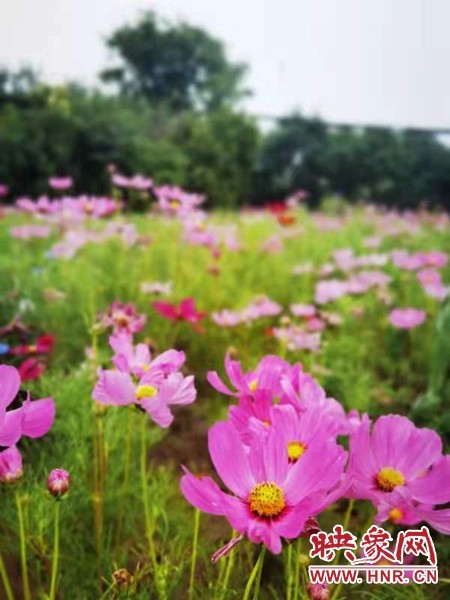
(208, 391)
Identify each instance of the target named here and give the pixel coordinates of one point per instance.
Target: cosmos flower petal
(114, 387)
(230, 458)
(10, 385)
(38, 417)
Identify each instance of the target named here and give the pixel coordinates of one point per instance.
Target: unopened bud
(10, 465)
(58, 482)
(318, 591)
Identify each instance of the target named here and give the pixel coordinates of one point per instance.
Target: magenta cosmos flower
(271, 497)
(406, 318)
(396, 456)
(152, 385)
(184, 311)
(30, 419)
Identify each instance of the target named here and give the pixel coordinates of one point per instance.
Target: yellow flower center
(388, 479)
(32, 349)
(146, 391)
(295, 450)
(396, 515)
(174, 203)
(267, 499)
(253, 385)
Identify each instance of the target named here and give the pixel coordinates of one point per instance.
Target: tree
(180, 65)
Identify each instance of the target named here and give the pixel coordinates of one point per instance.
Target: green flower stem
(255, 577)
(55, 559)
(5, 580)
(194, 554)
(348, 515)
(149, 525)
(23, 550)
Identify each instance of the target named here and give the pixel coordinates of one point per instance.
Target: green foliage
(396, 168)
(179, 65)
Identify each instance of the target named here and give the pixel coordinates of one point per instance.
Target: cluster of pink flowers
(27, 232)
(151, 384)
(279, 457)
(402, 470)
(75, 239)
(173, 201)
(297, 337)
(261, 307)
(70, 209)
(280, 460)
(418, 260)
(27, 418)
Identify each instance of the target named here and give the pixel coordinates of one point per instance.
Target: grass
(364, 363)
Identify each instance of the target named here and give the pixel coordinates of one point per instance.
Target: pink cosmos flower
(176, 202)
(137, 182)
(10, 465)
(184, 311)
(409, 262)
(266, 377)
(406, 318)
(429, 277)
(303, 310)
(398, 456)
(262, 306)
(296, 338)
(400, 508)
(123, 318)
(226, 318)
(329, 290)
(60, 183)
(272, 499)
(153, 385)
(31, 419)
(4, 190)
(435, 258)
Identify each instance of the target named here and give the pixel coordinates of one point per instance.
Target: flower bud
(58, 482)
(10, 465)
(318, 591)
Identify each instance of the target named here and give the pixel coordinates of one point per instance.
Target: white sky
(368, 61)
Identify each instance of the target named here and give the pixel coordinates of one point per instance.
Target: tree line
(169, 107)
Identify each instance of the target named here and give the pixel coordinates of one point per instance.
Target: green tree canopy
(180, 65)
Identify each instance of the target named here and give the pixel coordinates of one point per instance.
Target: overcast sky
(362, 61)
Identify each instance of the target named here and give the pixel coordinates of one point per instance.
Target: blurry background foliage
(169, 107)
